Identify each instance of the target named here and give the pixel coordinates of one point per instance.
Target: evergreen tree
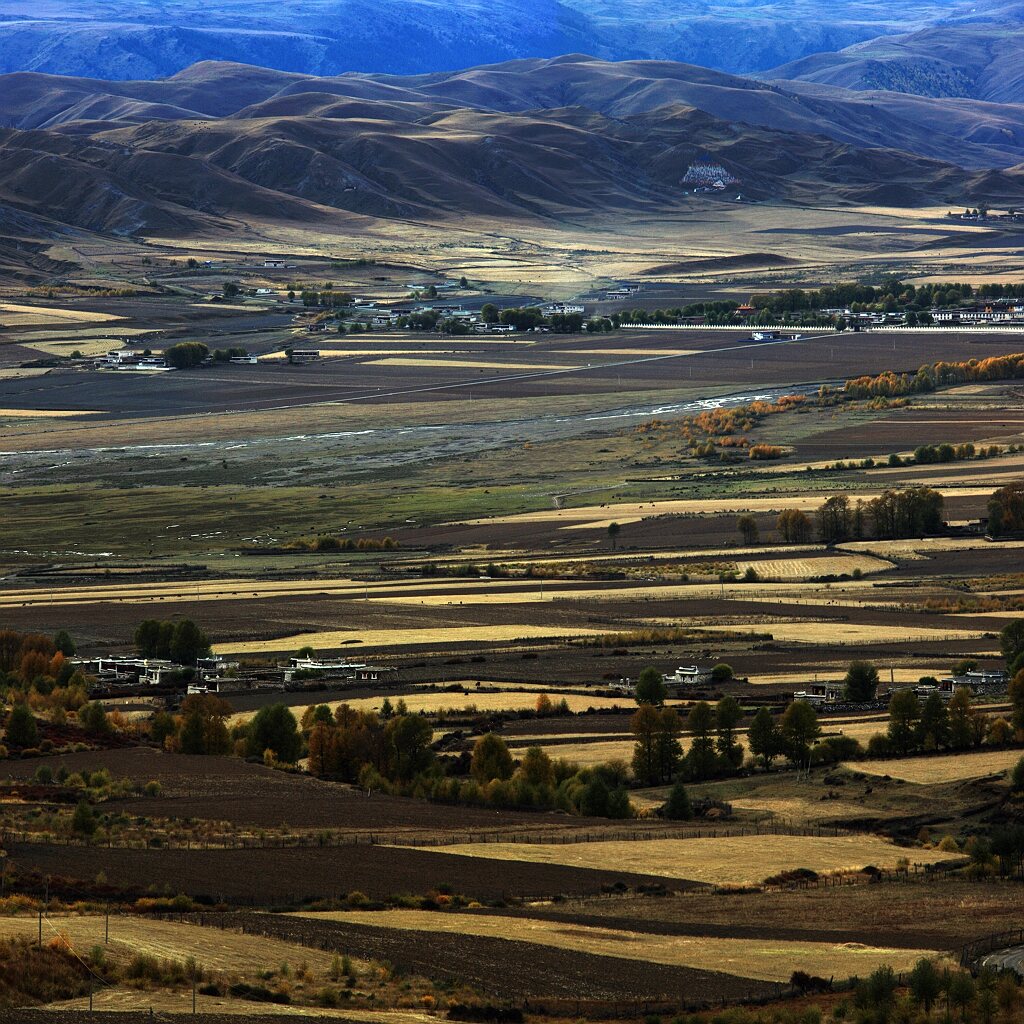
(701, 761)
(765, 738)
(904, 720)
(677, 807)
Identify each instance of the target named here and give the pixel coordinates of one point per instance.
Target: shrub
(721, 673)
(22, 730)
(1017, 777)
(765, 451)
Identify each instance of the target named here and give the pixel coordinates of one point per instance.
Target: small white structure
(821, 693)
(687, 675)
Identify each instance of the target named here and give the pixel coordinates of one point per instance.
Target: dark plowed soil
(23, 1015)
(505, 969)
(266, 877)
(930, 913)
(250, 795)
(923, 939)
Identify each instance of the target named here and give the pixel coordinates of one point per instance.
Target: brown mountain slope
(403, 152)
(981, 61)
(184, 176)
(115, 189)
(966, 132)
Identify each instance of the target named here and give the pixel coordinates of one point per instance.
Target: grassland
(950, 768)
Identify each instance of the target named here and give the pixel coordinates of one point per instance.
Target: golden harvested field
(927, 546)
(549, 592)
(582, 590)
(595, 752)
(435, 702)
(809, 810)
(13, 315)
(46, 414)
(233, 589)
(835, 670)
(362, 638)
(172, 1004)
(213, 949)
(773, 960)
(589, 516)
(725, 860)
(71, 335)
(808, 568)
(946, 768)
(86, 346)
(13, 373)
(831, 632)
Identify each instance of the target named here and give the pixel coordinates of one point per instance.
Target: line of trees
(931, 376)
(804, 305)
(913, 512)
(391, 752)
(186, 354)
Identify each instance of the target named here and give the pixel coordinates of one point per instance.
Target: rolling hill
(965, 132)
(980, 61)
(568, 139)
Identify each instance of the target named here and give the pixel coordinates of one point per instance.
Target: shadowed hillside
(965, 132)
(980, 61)
(406, 149)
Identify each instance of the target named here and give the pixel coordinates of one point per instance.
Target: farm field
(943, 769)
(403, 638)
(725, 860)
(485, 521)
(216, 950)
(750, 958)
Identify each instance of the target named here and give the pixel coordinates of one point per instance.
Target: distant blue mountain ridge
(119, 41)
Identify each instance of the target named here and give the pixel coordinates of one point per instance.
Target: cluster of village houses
(213, 675)
(823, 694)
(382, 317)
(220, 675)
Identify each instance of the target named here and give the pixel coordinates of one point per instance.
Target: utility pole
(40, 927)
(106, 926)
